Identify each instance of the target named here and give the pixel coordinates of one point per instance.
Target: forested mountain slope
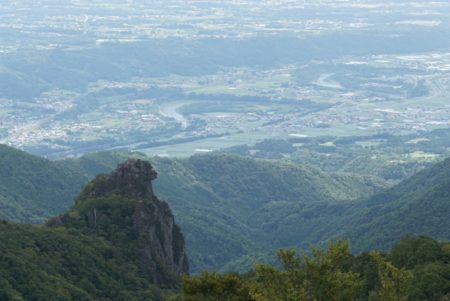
(419, 205)
(230, 206)
(234, 209)
(118, 242)
(33, 189)
(227, 206)
(42, 263)
(234, 206)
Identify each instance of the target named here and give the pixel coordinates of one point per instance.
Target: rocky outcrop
(131, 179)
(163, 249)
(122, 207)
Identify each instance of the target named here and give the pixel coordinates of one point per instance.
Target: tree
(215, 287)
(319, 277)
(430, 282)
(393, 282)
(412, 251)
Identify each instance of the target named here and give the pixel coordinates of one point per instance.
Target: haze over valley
(85, 76)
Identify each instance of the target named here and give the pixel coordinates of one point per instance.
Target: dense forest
(415, 269)
(40, 263)
(33, 189)
(47, 264)
(117, 242)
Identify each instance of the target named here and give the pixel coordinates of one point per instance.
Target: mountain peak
(132, 178)
(122, 208)
(132, 169)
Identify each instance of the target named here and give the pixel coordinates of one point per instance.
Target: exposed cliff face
(163, 249)
(122, 208)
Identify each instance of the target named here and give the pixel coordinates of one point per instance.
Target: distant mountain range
(234, 210)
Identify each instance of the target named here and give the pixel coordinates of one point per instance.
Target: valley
(153, 114)
(91, 78)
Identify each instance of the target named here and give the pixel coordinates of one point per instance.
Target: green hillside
(419, 205)
(230, 206)
(234, 210)
(93, 164)
(117, 242)
(227, 206)
(47, 264)
(33, 189)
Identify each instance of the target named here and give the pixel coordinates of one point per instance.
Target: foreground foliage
(417, 268)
